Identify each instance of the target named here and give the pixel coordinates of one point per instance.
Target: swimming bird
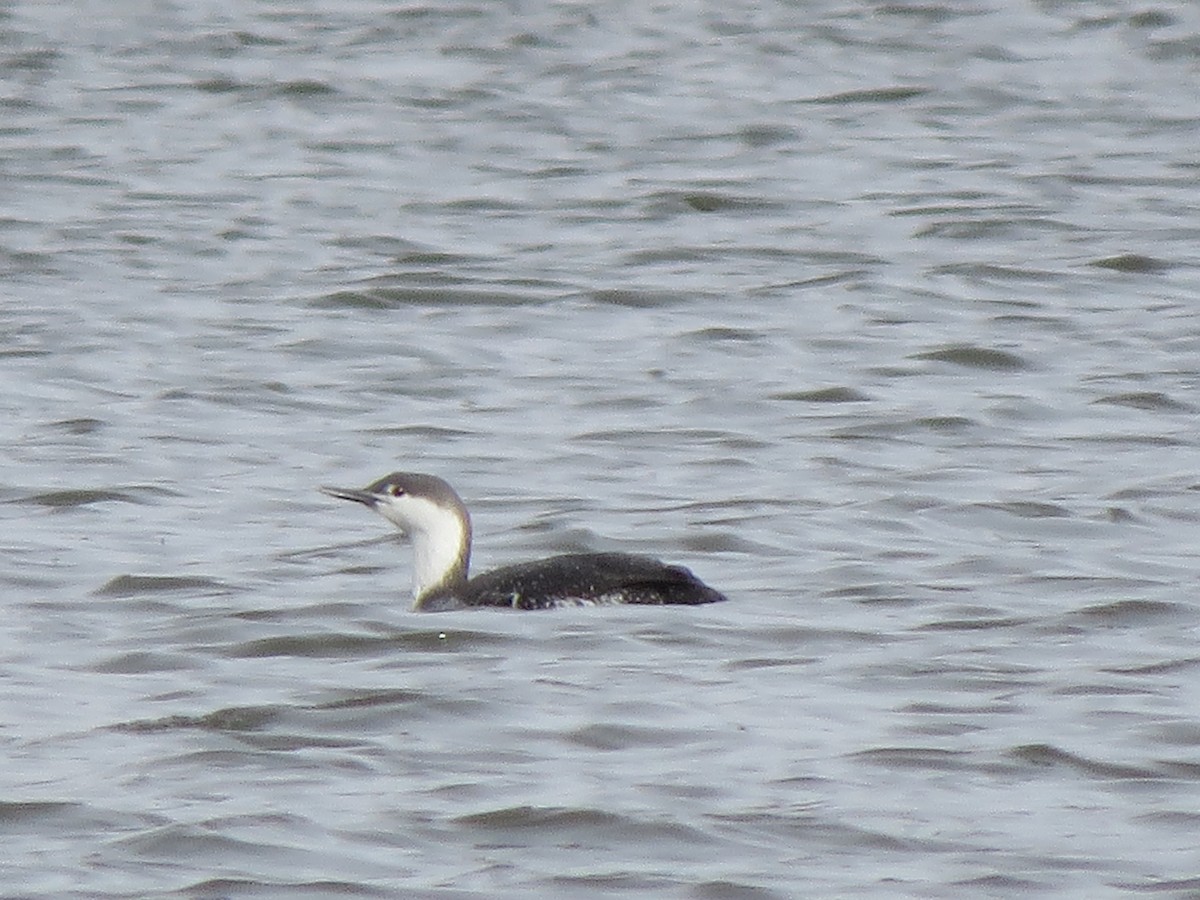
(433, 516)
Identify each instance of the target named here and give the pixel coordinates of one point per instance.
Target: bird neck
(441, 556)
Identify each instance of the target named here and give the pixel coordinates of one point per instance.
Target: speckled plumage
(586, 579)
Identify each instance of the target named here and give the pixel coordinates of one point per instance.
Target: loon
(428, 510)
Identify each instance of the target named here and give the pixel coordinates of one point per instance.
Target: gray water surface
(882, 317)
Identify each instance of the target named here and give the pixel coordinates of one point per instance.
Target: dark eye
(395, 490)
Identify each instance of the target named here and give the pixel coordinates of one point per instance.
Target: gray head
(428, 510)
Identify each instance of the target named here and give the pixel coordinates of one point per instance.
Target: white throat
(441, 539)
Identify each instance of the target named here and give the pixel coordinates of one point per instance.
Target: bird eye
(395, 490)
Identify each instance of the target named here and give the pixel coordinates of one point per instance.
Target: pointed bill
(364, 497)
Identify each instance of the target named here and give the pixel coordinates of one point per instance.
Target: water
(881, 317)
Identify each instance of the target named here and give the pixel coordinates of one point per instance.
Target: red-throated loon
(433, 516)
